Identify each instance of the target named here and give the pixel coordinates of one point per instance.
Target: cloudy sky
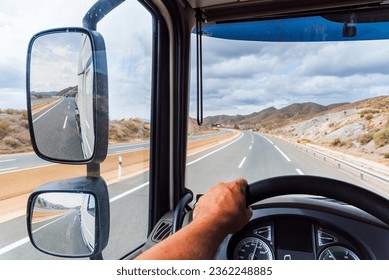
(239, 77)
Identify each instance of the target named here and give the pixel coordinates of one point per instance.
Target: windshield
(290, 108)
(270, 109)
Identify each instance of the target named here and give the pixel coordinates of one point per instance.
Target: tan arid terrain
(360, 129)
(14, 135)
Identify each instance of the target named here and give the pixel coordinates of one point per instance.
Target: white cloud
(239, 77)
(324, 73)
(19, 21)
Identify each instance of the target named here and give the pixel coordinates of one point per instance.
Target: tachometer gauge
(253, 248)
(337, 253)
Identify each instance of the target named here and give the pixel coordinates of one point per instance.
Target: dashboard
(307, 228)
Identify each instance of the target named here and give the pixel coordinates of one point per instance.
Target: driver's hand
(224, 206)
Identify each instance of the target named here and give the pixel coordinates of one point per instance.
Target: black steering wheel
(361, 198)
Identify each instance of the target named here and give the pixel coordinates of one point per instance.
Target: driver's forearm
(194, 241)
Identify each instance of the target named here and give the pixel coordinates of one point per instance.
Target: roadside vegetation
(14, 135)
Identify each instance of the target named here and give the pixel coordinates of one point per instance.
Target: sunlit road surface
(14, 162)
(249, 155)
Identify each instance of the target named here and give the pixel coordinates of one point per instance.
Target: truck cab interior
(303, 209)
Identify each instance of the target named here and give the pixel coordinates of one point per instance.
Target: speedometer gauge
(337, 253)
(253, 248)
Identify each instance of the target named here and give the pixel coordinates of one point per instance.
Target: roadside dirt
(37, 107)
(16, 186)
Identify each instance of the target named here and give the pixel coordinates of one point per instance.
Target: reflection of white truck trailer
(84, 98)
(87, 217)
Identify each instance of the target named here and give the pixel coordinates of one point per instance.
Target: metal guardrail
(371, 179)
(342, 162)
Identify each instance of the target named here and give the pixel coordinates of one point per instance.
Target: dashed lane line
(242, 162)
(299, 171)
(282, 153)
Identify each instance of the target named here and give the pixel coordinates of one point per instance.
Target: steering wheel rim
(361, 198)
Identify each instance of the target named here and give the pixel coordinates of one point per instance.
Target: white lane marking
(215, 151)
(128, 192)
(250, 147)
(9, 168)
(299, 171)
(64, 124)
(282, 153)
(47, 111)
(24, 240)
(268, 139)
(87, 124)
(7, 160)
(14, 245)
(242, 162)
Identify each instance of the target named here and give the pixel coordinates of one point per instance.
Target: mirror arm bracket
(93, 170)
(98, 11)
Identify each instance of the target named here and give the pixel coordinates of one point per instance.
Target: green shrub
(337, 142)
(3, 128)
(366, 138)
(368, 112)
(12, 142)
(369, 117)
(381, 138)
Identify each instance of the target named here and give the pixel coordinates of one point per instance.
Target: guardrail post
(120, 168)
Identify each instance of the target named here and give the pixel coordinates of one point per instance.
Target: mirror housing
(69, 218)
(67, 95)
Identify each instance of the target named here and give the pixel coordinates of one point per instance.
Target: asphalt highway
(250, 155)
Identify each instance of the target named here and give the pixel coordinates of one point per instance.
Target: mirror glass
(61, 95)
(64, 223)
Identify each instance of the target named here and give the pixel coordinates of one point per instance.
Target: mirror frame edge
(88, 185)
(100, 95)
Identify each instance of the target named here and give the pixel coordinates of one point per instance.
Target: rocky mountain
(360, 128)
(270, 118)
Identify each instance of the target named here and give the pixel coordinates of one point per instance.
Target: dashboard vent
(164, 229)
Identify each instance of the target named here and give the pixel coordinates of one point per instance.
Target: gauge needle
(255, 250)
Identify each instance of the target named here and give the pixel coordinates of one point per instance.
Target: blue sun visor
(306, 29)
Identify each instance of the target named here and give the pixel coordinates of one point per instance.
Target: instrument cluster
(289, 237)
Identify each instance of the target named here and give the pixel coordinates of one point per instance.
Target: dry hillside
(361, 128)
(127, 130)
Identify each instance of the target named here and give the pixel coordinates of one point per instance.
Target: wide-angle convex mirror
(67, 95)
(69, 218)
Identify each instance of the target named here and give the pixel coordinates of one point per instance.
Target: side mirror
(69, 218)
(67, 95)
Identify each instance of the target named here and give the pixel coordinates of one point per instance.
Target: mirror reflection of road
(58, 118)
(64, 231)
